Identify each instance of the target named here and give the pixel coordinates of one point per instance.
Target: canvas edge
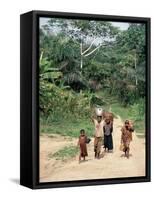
(35, 184)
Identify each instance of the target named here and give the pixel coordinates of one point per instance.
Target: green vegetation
(87, 63)
(134, 113)
(69, 128)
(65, 153)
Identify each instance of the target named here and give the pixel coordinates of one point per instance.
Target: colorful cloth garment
(108, 141)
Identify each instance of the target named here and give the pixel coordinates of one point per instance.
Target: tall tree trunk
(41, 55)
(81, 57)
(135, 60)
(81, 63)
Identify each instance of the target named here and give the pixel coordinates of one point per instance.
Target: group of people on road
(103, 136)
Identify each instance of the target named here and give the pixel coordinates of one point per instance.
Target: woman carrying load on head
(98, 135)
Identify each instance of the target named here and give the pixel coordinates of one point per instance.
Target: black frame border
(29, 50)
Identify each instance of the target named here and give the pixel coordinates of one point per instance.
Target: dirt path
(111, 165)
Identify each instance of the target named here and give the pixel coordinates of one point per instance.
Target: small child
(126, 136)
(82, 144)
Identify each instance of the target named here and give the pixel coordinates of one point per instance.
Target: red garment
(83, 146)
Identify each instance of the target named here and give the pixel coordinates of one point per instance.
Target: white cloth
(98, 128)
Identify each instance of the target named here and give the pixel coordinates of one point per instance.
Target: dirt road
(111, 165)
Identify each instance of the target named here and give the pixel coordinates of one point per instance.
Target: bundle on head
(108, 116)
(130, 124)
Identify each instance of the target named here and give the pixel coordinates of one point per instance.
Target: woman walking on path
(108, 141)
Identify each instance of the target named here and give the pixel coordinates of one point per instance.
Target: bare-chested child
(126, 137)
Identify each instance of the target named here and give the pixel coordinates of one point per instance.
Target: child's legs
(98, 154)
(80, 157)
(126, 149)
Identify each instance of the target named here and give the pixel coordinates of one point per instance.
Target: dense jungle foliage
(85, 63)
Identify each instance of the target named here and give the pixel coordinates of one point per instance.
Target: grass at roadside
(130, 112)
(65, 153)
(126, 113)
(72, 126)
(68, 127)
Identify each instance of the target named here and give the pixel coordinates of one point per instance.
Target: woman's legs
(99, 144)
(108, 143)
(126, 150)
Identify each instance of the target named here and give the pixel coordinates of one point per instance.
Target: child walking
(126, 136)
(82, 144)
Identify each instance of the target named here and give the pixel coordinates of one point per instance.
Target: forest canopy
(84, 63)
